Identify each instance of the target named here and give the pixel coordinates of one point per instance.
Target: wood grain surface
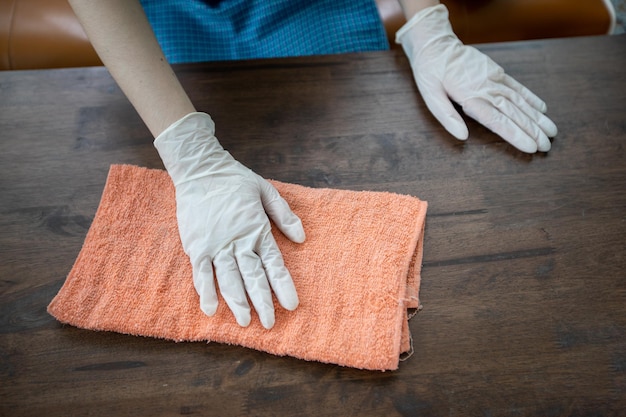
(524, 277)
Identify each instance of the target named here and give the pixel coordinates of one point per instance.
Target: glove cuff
(188, 144)
(430, 22)
(198, 118)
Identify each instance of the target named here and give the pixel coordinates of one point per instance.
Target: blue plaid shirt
(215, 30)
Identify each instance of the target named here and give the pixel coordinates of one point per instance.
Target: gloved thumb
(441, 107)
(278, 210)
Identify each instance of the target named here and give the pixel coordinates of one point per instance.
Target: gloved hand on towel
(224, 228)
(444, 68)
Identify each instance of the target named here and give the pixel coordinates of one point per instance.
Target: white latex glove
(446, 69)
(221, 210)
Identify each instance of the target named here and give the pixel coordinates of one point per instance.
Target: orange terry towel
(357, 274)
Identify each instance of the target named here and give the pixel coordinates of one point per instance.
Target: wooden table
(524, 282)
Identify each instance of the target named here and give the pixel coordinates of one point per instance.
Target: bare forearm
(123, 38)
(411, 7)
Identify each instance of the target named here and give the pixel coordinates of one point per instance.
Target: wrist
(411, 7)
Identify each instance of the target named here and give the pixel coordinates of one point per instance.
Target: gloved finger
(530, 97)
(204, 283)
(547, 126)
(486, 114)
(231, 286)
(256, 284)
(524, 121)
(441, 107)
(277, 274)
(279, 211)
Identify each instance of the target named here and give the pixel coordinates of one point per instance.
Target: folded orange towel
(357, 274)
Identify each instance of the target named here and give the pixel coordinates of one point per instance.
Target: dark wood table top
(524, 278)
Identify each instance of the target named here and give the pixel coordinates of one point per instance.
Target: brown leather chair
(46, 34)
(42, 34)
(482, 21)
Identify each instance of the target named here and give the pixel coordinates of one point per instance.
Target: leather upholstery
(42, 34)
(46, 34)
(482, 21)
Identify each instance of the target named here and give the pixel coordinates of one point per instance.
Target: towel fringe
(406, 355)
(412, 312)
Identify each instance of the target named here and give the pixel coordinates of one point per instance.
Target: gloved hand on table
(221, 210)
(446, 69)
